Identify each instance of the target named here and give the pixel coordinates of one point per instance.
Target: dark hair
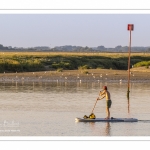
(105, 87)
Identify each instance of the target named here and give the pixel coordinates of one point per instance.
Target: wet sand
(89, 75)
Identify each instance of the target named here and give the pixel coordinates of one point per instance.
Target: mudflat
(141, 74)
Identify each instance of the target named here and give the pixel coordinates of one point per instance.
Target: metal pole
(129, 66)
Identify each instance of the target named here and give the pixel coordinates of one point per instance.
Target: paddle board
(106, 120)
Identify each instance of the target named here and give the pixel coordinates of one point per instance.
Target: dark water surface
(50, 109)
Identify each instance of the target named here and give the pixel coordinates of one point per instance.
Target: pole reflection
(128, 105)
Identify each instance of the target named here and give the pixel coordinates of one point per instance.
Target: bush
(83, 67)
(20, 65)
(142, 63)
(85, 72)
(60, 70)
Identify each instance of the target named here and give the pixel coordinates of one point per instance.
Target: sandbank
(141, 74)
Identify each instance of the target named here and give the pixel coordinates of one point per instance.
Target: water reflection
(33, 86)
(104, 130)
(88, 90)
(128, 105)
(16, 86)
(107, 129)
(45, 101)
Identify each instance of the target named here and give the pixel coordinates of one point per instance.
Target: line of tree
(70, 48)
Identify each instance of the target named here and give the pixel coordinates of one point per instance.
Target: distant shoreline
(91, 75)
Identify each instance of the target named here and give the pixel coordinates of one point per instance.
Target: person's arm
(100, 98)
(102, 93)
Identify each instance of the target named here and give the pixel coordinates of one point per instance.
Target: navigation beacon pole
(130, 28)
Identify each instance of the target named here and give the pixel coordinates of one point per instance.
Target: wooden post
(129, 52)
(130, 28)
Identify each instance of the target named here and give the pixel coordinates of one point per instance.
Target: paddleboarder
(105, 93)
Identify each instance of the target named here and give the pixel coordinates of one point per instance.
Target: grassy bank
(46, 61)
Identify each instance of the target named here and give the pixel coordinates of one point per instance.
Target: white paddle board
(106, 120)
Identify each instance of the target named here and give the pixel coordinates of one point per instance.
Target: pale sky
(92, 30)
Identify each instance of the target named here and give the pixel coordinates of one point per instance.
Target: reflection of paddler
(107, 131)
(101, 130)
(105, 93)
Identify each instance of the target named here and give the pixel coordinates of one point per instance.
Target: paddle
(85, 117)
(92, 114)
(95, 104)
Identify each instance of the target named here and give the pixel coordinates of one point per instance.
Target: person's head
(105, 87)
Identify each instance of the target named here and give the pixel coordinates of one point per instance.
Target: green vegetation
(40, 61)
(60, 69)
(143, 63)
(20, 64)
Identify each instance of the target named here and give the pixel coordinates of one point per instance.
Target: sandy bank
(90, 75)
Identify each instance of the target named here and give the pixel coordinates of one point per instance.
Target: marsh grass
(59, 61)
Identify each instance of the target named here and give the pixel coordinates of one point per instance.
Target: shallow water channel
(50, 109)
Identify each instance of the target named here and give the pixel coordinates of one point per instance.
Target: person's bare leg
(107, 112)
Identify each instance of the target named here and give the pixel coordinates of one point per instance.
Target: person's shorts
(108, 103)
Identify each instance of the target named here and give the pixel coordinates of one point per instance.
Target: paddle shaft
(95, 104)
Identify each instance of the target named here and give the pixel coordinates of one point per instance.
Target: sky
(92, 30)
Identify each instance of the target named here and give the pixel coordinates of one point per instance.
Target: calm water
(49, 109)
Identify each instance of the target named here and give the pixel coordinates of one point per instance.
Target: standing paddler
(105, 93)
